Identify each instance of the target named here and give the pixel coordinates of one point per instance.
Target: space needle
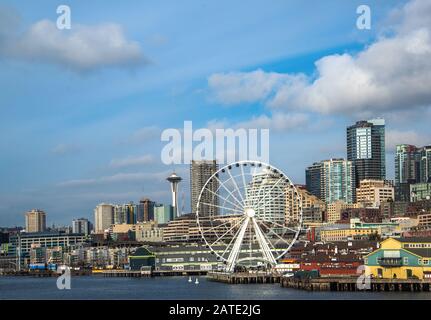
(174, 180)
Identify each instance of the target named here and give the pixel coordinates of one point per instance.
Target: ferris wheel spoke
(269, 192)
(273, 232)
(236, 186)
(281, 225)
(267, 239)
(233, 238)
(215, 227)
(230, 229)
(230, 193)
(222, 207)
(243, 183)
(226, 200)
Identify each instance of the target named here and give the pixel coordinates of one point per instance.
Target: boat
(190, 279)
(197, 281)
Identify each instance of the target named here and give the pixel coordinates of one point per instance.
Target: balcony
(390, 262)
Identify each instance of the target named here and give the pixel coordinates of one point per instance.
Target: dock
(350, 284)
(147, 273)
(244, 277)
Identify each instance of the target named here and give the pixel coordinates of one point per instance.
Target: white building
(103, 217)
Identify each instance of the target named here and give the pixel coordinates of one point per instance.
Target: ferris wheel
(249, 214)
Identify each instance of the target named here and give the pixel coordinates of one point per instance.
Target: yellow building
(345, 234)
(308, 201)
(334, 209)
(404, 258)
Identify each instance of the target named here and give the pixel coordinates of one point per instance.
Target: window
(406, 260)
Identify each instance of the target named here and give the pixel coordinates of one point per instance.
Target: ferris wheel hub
(249, 212)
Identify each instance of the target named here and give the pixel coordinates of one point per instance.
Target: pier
(349, 284)
(147, 273)
(244, 277)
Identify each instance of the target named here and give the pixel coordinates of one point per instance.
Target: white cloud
(279, 122)
(83, 48)
(393, 73)
(132, 161)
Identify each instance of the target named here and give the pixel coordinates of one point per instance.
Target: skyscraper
(145, 210)
(426, 164)
(81, 225)
(332, 180)
(338, 177)
(366, 149)
(35, 221)
(412, 165)
(407, 170)
(200, 172)
(313, 179)
(103, 217)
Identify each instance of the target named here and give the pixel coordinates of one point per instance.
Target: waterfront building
(313, 208)
(22, 243)
(163, 213)
(35, 221)
(403, 258)
(366, 149)
(420, 192)
(200, 172)
(103, 217)
(372, 192)
(357, 230)
(81, 225)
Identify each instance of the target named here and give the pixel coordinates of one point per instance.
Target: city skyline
(86, 133)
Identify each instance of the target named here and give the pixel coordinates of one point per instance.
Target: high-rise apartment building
(267, 192)
(145, 210)
(313, 176)
(103, 217)
(412, 165)
(200, 172)
(125, 213)
(35, 221)
(338, 178)
(426, 164)
(366, 149)
(332, 180)
(81, 225)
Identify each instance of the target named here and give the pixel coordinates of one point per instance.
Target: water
(171, 288)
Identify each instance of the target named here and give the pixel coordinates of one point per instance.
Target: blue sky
(81, 125)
